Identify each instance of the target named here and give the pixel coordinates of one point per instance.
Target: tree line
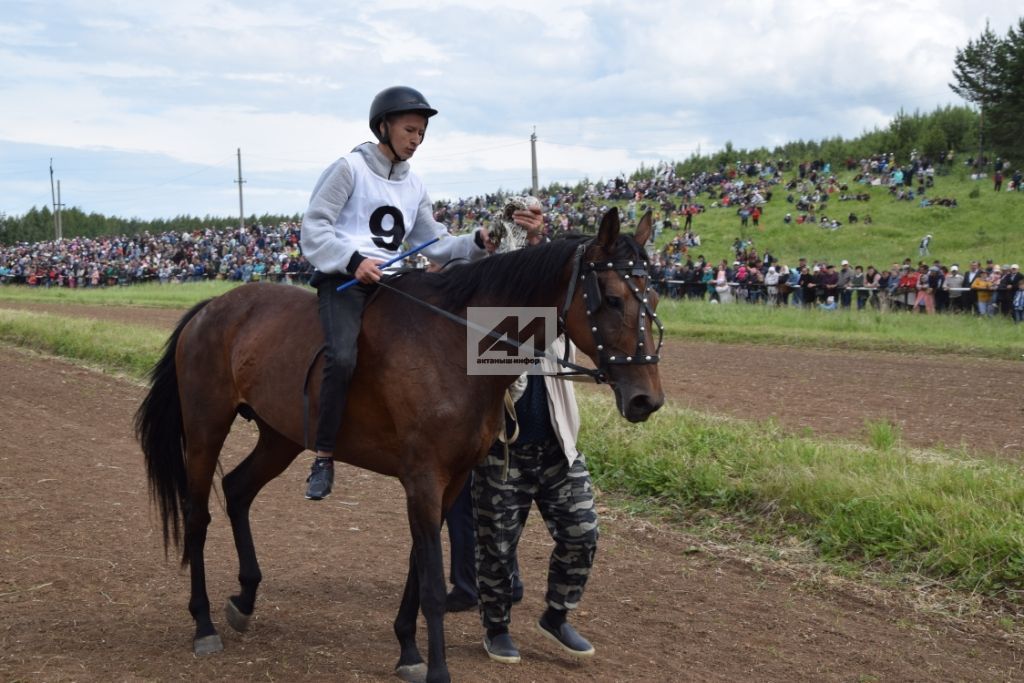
(37, 224)
(932, 136)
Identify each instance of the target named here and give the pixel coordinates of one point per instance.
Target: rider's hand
(485, 237)
(368, 272)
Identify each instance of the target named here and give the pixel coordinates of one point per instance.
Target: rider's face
(407, 131)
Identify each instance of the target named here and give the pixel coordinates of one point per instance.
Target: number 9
(385, 238)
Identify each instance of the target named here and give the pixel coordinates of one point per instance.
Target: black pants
(462, 540)
(341, 315)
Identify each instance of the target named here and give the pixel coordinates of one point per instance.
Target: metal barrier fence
(951, 299)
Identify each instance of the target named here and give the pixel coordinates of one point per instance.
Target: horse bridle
(585, 274)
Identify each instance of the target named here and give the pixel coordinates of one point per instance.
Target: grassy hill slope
(984, 226)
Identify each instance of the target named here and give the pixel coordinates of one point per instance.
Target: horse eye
(614, 302)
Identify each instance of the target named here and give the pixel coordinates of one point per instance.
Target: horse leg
(205, 430)
(423, 496)
(268, 459)
(411, 666)
(201, 465)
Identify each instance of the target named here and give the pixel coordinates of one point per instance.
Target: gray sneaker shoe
(567, 637)
(500, 648)
(320, 480)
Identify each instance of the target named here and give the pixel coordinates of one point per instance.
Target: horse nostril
(641, 406)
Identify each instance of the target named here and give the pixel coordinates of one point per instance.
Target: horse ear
(609, 231)
(643, 230)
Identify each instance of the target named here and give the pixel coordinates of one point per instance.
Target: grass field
(902, 332)
(949, 518)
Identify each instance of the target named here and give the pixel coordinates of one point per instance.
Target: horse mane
(530, 272)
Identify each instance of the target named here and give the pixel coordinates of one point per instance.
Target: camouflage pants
(565, 499)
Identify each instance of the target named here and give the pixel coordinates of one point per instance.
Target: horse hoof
(235, 617)
(207, 645)
(414, 673)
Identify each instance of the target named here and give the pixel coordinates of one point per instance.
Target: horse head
(611, 315)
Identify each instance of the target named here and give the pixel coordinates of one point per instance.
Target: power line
(476, 150)
(163, 183)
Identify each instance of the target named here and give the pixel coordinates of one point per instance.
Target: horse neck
(551, 293)
(550, 298)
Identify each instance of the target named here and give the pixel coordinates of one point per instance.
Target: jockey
(363, 208)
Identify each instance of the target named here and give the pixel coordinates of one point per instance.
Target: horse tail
(159, 430)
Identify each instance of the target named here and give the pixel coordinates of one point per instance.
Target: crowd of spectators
(815, 186)
(243, 255)
(260, 252)
(987, 290)
(272, 253)
(761, 278)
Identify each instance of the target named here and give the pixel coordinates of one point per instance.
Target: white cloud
(608, 86)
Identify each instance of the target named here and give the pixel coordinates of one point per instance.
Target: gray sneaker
(500, 648)
(567, 637)
(320, 480)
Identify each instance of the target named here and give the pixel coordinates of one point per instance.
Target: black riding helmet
(398, 99)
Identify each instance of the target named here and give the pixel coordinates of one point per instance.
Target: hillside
(983, 226)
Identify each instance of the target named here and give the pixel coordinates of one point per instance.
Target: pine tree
(1006, 121)
(989, 72)
(974, 68)
(974, 71)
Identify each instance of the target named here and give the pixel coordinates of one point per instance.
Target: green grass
(850, 329)
(883, 435)
(121, 348)
(152, 295)
(956, 520)
(877, 504)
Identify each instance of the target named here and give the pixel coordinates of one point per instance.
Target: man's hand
(368, 272)
(532, 220)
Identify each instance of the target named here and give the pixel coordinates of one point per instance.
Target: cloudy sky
(142, 105)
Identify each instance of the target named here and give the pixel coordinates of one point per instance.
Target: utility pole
(533, 154)
(60, 206)
(241, 211)
(53, 200)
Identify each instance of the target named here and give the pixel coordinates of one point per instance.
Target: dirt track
(86, 595)
(947, 401)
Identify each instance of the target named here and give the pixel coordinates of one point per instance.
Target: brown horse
(252, 351)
